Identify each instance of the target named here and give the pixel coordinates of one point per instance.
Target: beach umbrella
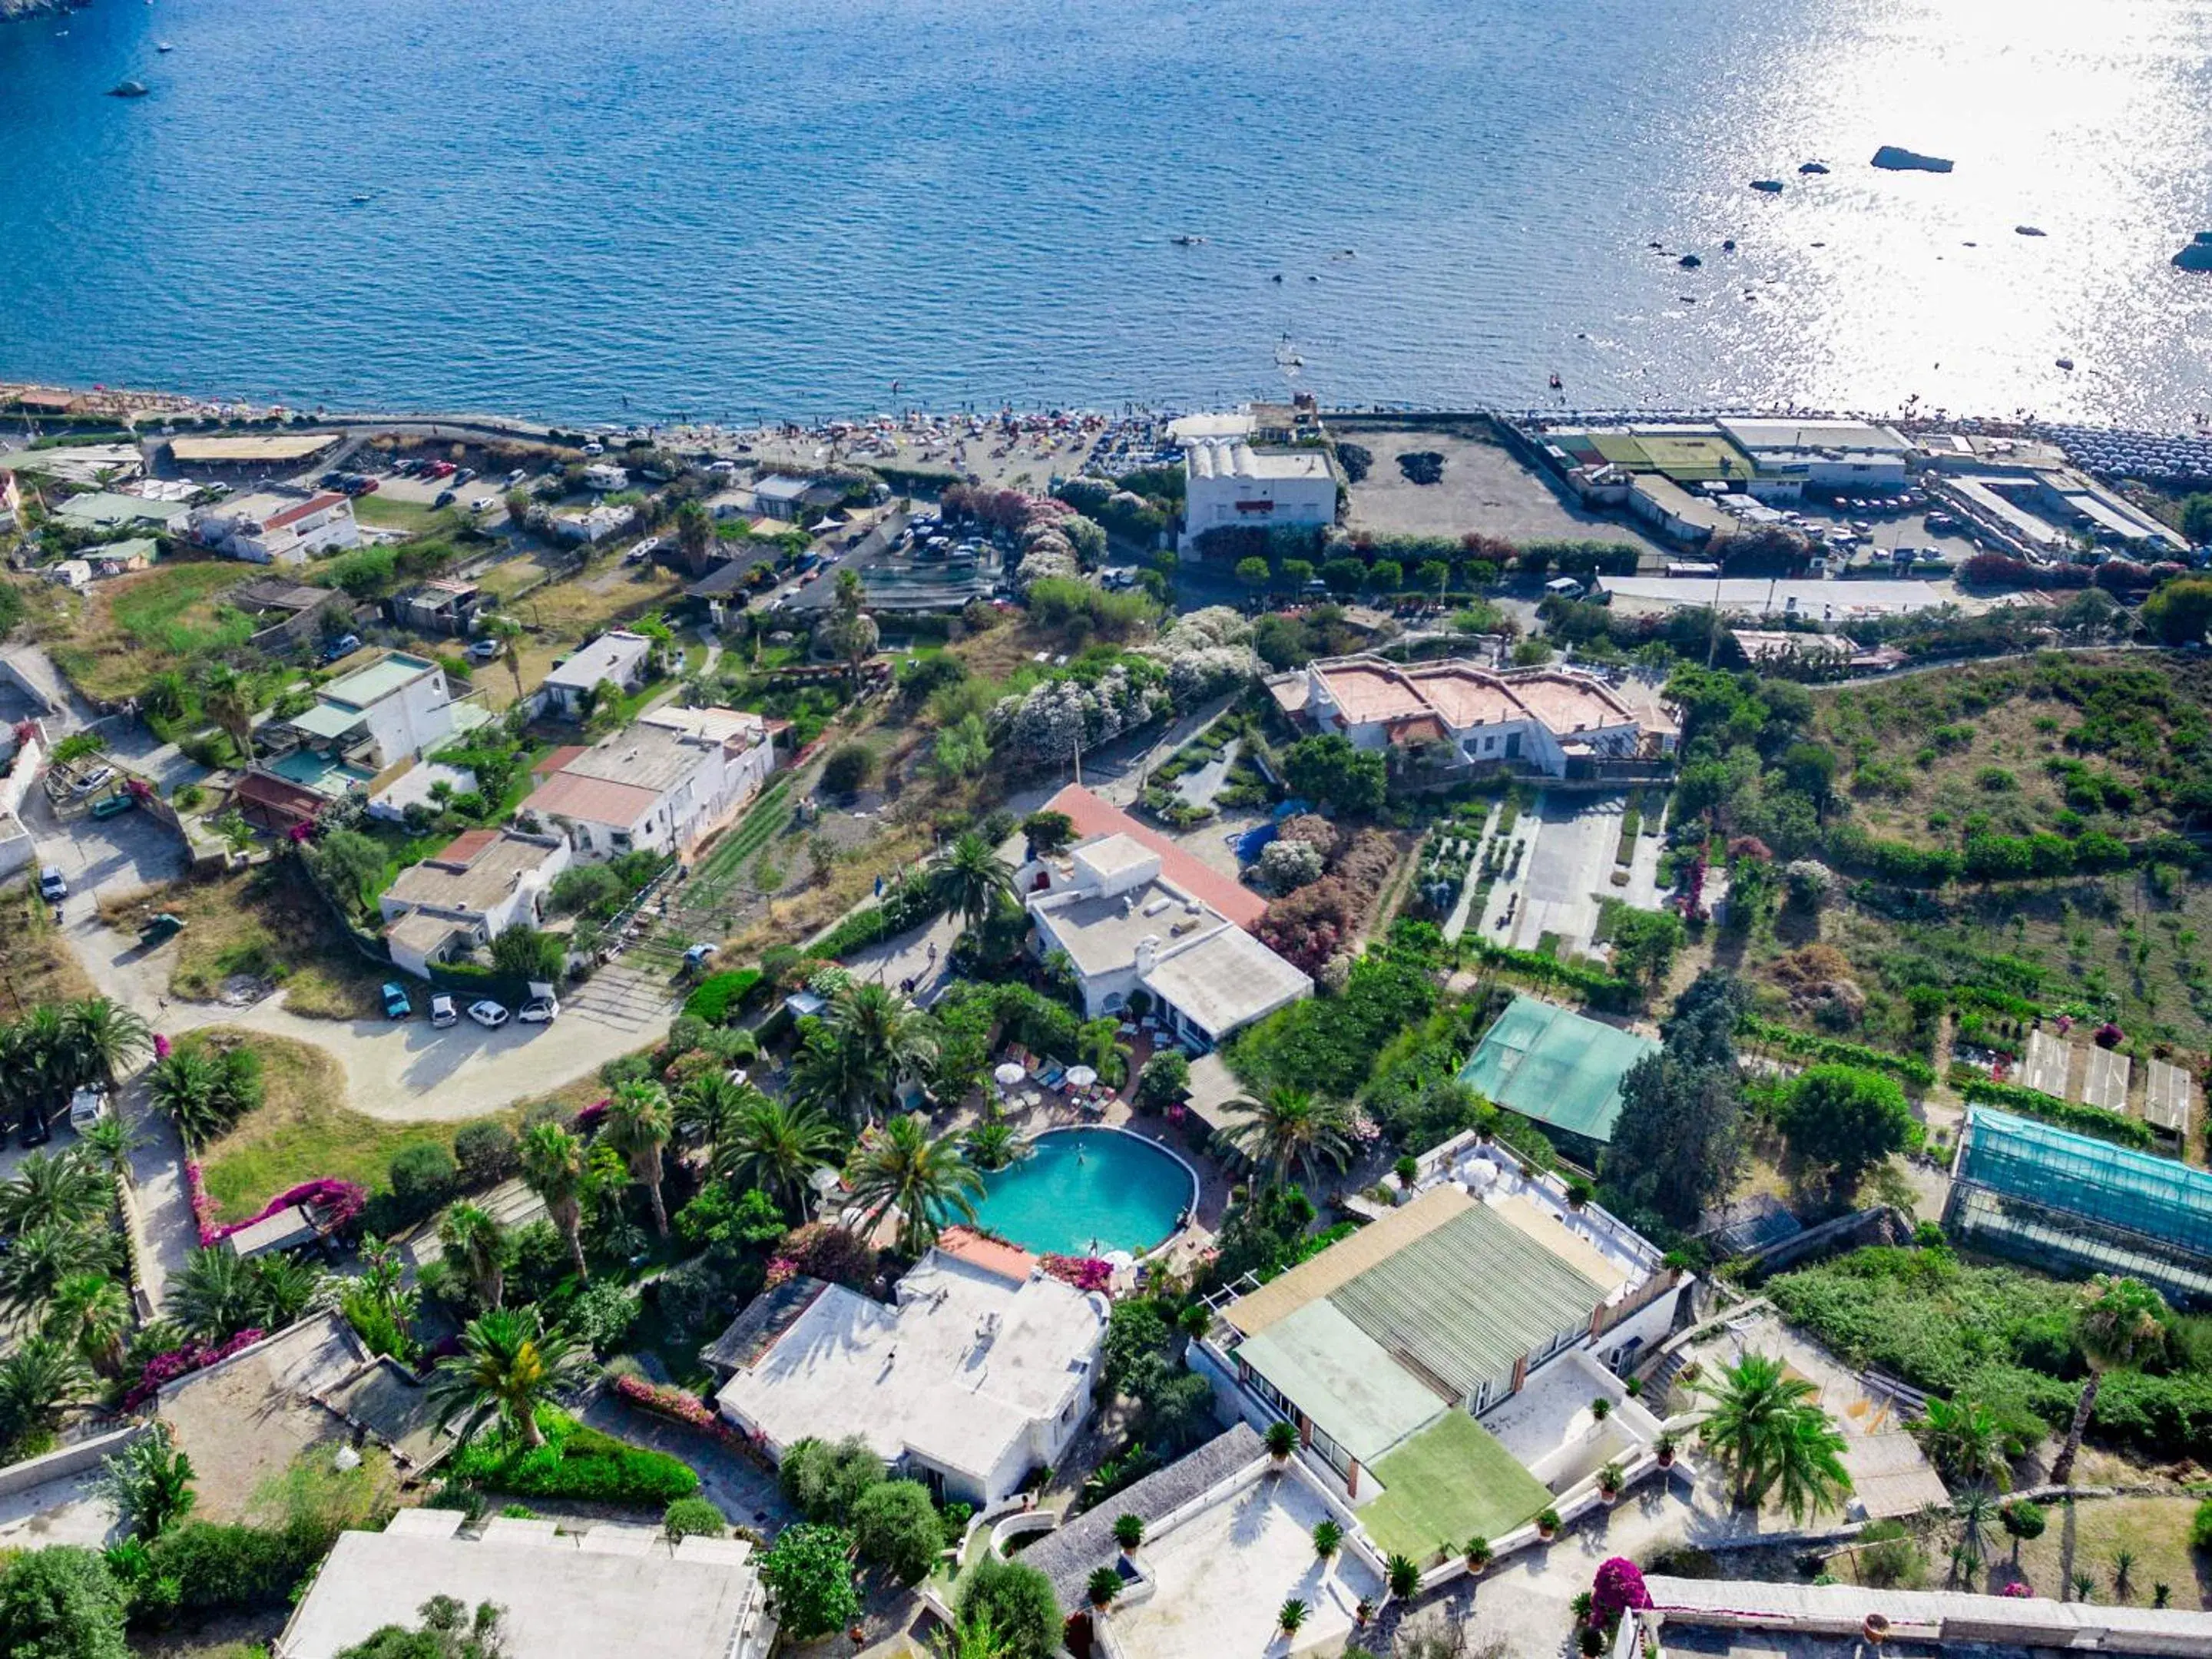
(1009, 1073)
(1082, 1075)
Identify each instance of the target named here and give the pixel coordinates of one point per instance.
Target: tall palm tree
(509, 1366)
(188, 1087)
(638, 1125)
(1978, 1513)
(832, 1076)
(40, 1058)
(508, 632)
(2118, 1324)
(971, 880)
(477, 1245)
(1292, 1130)
(553, 1168)
(43, 1256)
(708, 1103)
(92, 1313)
(775, 1147)
(106, 1037)
(1766, 1429)
(930, 1182)
(39, 1381)
(108, 1145)
(885, 1034)
(227, 696)
(1965, 1440)
(65, 1190)
(216, 1295)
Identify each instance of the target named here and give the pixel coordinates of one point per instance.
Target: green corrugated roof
(328, 719)
(1466, 1301)
(1556, 1066)
(2160, 1197)
(1336, 1374)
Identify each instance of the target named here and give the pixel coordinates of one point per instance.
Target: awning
(327, 719)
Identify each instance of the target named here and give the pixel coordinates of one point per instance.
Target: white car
(486, 648)
(488, 1014)
(442, 1011)
(540, 1011)
(484, 503)
(92, 780)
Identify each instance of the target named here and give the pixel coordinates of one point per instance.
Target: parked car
(162, 927)
(441, 1010)
(98, 778)
(486, 650)
(445, 499)
(514, 477)
(396, 1005)
(87, 1106)
(698, 954)
(595, 447)
(35, 1130)
(488, 1014)
(344, 645)
(108, 806)
(540, 1011)
(484, 503)
(465, 475)
(53, 885)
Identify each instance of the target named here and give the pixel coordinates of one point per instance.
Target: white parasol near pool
(1081, 1077)
(1009, 1073)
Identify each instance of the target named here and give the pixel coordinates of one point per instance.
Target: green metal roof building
(2074, 1204)
(1556, 1066)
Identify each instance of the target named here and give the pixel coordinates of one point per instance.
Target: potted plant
(1547, 1523)
(1600, 1408)
(1579, 1192)
(1609, 1482)
(1128, 1532)
(1664, 1449)
(1103, 1586)
(1362, 1613)
(1282, 1440)
(1478, 1553)
(1403, 1575)
(1876, 1627)
(1327, 1539)
(1580, 1606)
(1289, 1617)
(1591, 1641)
(1408, 1170)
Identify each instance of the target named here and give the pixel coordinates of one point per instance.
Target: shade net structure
(1556, 1066)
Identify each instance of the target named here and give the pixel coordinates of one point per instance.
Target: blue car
(396, 1005)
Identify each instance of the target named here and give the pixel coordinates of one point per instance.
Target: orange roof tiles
(598, 800)
(1093, 817)
(992, 1256)
(464, 848)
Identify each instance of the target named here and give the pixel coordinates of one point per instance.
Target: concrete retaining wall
(81, 1458)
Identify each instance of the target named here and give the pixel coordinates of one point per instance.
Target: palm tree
(976, 1636)
(227, 696)
(108, 1144)
(887, 1037)
(217, 1295)
(832, 1076)
(508, 632)
(188, 1086)
(40, 1060)
(92, 1313)
(43, 1256)
(553, 1168)
(929, 1181)
(286, 1288)
(64, 1190)
(477, 1245)
(1965, 1440)
(1978, 1512)
(995, 1144)
(2118, 1323)
(106, 1037)
(971, 880)
(708, 1103)
(1292, 1129)
(775, 1147)
(39, 1381)
(638, 1125)
(509, 1365)
(1766, 1427)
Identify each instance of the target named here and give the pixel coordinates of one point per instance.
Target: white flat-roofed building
(1229, 484)
(1753, 435)
(592, 526)
(400, 704)
(116, 514)
(660, 785)
(277, 526)
(1545, 718)
(979, 1370)
(1225, 426)
(617, 657)
(1126, 927)
(468, 893)
(575, 1594)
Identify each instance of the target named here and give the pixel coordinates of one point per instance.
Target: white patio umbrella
(1082, 1075)
(1009, 1073)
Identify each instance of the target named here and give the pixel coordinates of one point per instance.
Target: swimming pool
(1082, 1192)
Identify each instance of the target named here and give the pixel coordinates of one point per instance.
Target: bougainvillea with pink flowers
(167, 1367)
(335, 1202)
(683, 1407)
(1618, 1588)
(1085, 1273)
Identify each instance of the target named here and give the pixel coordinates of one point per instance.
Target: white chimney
(1148, 953)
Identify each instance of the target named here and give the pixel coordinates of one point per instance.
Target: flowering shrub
(2017, 1589)
(684, 1407)
(1618, 1587)
(1041, 727)
(1085, 1273)
(167, 1367)
(203, 1206)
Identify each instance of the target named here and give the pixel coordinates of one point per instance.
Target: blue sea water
(721, 207)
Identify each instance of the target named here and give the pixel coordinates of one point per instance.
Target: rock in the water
(2198, 256)
(1728, 247)
(127, 89)
(1812, 167)
(2027, 230)
(1689, 262)
(1895, 158)
(1770, 186)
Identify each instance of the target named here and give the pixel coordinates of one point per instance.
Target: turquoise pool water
(1085, 1191)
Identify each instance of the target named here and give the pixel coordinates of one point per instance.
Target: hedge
(1851, 848)
(236, 1567)
(1906, 1068)
(2067, 1114)
(719, 996)
(1600, 988)
(905, 904)
(575, 1462)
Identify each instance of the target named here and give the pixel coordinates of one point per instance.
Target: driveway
(746, 1493)
(1565, 870)
(115, 855)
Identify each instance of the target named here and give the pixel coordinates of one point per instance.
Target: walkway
(740, 1488)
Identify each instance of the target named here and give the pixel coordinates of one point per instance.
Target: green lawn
(390, 513)
(155, 610)
(1449, 1483)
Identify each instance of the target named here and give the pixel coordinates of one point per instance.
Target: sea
(727, 209)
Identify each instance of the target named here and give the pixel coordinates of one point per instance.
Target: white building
(400, 704)
(594, 525)
(605, 477)
(1134, 916)
(277, 526)
(979, 1371)
(660, 786)
(1229, 484)
(617, 657)
(573, 1593)
(467, 894)
(1552, 720)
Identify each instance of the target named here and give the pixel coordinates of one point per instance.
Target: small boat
(360, 201)
(2028, 230)
(163, 46)
(1555, 382)
(1728, 247)
(1689, 262)
(2066, 362)
(1188, 241)
(1767, 186)
(1811, 168)
(1277, 277)
(127, 89)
